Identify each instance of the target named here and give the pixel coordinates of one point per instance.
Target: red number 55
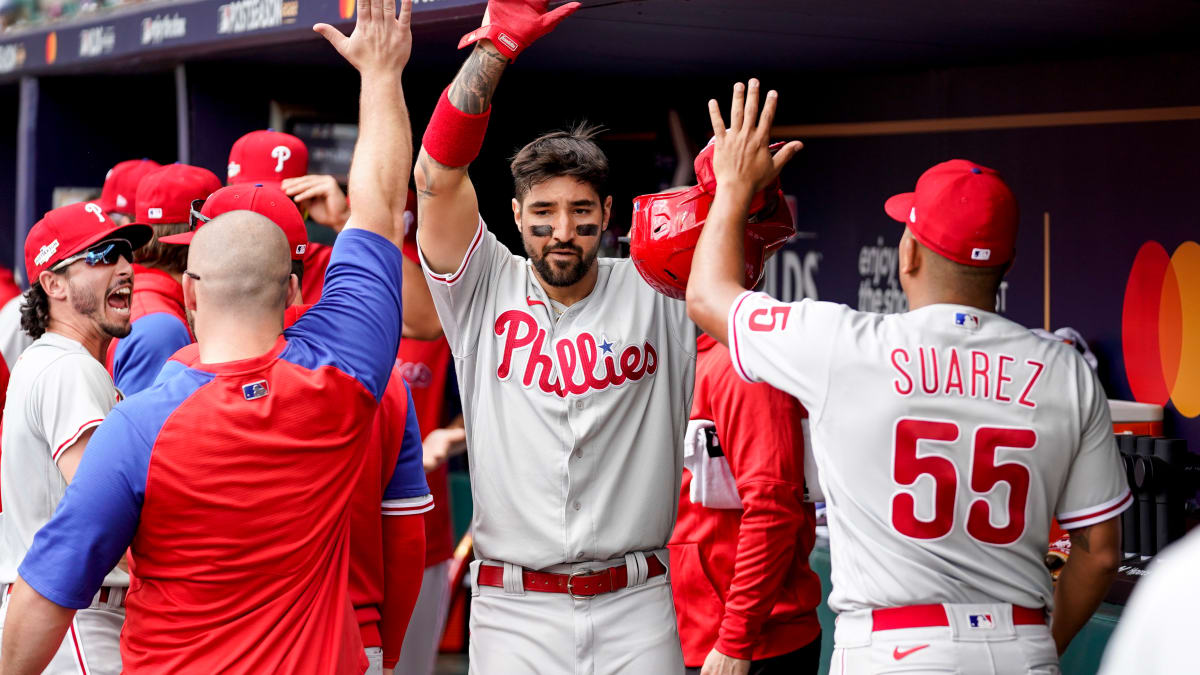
(985, 474)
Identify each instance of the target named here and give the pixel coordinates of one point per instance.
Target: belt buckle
(571, 581)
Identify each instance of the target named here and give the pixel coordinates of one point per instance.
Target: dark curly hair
(570, 152)
(35, 311)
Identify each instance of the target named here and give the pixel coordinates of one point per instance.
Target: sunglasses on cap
(107, 252)
(195, 218)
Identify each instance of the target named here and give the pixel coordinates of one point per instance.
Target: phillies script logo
(576, 359)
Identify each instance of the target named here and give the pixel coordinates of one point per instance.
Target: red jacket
(316, 260)
(426, 367)
(740, 578)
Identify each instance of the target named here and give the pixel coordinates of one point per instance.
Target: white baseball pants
(92, 645)
(989, 647)
(418, 655)
(631, 631)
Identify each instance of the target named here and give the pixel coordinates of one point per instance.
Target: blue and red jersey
(392, 483)
(231, 484)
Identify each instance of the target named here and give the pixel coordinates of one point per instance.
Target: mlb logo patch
(981, 254)
(965, 320)
(255, 390)
(981, 621)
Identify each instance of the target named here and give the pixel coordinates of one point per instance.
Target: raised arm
(743, 164)
(379, 49)
(448, 212)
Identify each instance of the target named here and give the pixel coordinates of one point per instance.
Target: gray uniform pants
(980, 640)
(631, 631)
(418, 655)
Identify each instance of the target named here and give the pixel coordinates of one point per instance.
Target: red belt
(104, 595)
(581, 584)
(925, 616)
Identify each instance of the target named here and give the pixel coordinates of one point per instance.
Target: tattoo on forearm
(424, 181)
(1080, 539)
(472, 89)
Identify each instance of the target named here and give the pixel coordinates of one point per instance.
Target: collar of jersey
(251, 364)
(148, 279)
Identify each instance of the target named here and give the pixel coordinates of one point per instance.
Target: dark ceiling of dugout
(690, 37)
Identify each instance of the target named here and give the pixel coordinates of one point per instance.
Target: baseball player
(387, 548)
(945, 437)
(159, 322)
(228, 580)
(744, 592)
(275, 159)
(79, 264)
(576, 378)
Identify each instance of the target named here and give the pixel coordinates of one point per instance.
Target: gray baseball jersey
(574, 424)
(946, 438)
(57, 392)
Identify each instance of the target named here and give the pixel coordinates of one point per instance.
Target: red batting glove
(707, 179)
(513, 25)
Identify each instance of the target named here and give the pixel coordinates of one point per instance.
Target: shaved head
(243, 265)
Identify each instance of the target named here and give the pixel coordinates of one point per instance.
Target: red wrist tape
(454, 137)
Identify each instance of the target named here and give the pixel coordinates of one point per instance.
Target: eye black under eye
(587, 230)
(541, 230)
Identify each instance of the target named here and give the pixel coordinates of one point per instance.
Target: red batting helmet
(666, 227)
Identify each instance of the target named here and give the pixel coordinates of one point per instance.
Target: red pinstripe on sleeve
(407, 507)
(735, 352)
(450, 279)
(1097, 514)
(74, 437)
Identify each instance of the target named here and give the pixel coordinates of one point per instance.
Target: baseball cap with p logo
(67, 230)
(962, 211)
(266, 158)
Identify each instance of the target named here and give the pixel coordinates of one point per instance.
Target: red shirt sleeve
(767, 461)
(403, 567)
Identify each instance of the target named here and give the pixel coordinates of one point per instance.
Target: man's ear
(516, 207)
(607, 212)
(54, 284)
(189, 293)
(909, 255)
(293, 296)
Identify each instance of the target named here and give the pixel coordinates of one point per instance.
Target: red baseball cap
(962, 211)
(67, 230)
(266, 201)
(121, 183)
(165, 195)
(266, 157)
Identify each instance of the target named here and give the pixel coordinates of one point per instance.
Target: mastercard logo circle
(1160, 326)
(346, 8)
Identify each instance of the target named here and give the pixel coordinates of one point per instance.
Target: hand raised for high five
(742, 156)
(513, 25)
(381, 41)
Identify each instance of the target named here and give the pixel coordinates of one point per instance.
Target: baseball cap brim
(137, 235)
(179, 239)
(900, 206)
